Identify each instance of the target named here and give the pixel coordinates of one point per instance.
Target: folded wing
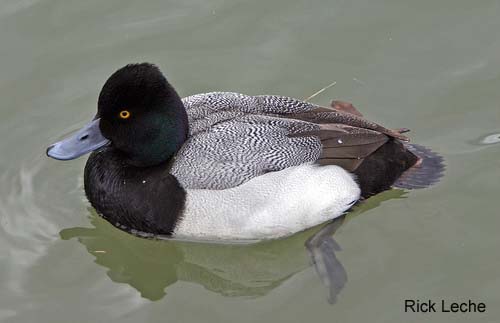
(234, 137)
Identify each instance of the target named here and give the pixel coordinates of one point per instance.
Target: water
(432, 66)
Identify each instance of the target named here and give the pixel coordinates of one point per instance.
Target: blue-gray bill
(85, 140)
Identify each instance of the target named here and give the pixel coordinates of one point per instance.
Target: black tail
(399, 165)
(427, 172)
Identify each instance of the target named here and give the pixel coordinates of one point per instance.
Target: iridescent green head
(138, 113)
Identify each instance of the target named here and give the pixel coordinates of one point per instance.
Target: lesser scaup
(226, 165)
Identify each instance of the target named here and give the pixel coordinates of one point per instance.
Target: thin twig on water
(320, 91)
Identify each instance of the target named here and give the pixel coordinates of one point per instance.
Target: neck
(170, 130)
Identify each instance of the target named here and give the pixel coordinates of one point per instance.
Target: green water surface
(431, 66)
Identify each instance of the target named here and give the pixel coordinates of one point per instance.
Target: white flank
(270, 206)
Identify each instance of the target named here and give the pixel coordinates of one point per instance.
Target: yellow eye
(124, 114)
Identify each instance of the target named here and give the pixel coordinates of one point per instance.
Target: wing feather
(235, 137)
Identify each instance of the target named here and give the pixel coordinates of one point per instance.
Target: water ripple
(490, 139)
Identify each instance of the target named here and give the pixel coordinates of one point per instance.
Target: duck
(225, 166)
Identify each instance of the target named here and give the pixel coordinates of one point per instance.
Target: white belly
(270, 206)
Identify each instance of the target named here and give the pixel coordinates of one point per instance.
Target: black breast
(148, 199)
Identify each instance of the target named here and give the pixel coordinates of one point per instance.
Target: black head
(140, 114)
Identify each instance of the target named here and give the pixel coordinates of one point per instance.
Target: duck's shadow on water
(151, 266)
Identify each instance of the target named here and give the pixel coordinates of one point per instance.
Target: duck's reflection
(322, 248)
(151, 266)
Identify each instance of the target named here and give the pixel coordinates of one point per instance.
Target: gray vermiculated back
(235, 137)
